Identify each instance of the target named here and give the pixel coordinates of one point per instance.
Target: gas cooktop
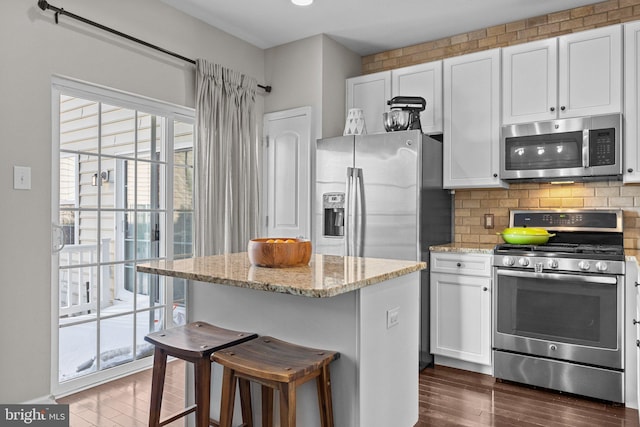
(567, 250)
(594, 234)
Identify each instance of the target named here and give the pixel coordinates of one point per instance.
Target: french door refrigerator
(381, 196)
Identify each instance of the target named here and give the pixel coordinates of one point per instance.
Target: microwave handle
(585, 148)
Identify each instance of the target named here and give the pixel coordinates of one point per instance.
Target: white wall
(32, 48)
(312, 72)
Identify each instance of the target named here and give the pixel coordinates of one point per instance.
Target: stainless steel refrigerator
(381, 196)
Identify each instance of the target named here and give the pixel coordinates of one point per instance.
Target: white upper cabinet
(575, 75)
(472, 120)
(424, 80)
(370, 93)
(631, 126)
(530, 81)
(590, 77)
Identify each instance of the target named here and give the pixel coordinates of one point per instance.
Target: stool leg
(228, 397)
(288, 404)
(267, 406)
(245, 402)
(157, 386)
(324, 397)
(203, 391)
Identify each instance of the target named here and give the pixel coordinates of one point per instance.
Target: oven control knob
(553, 347)
(584, 265)
(553, 263)
(601, 266)
(508, 261)
(523, 262)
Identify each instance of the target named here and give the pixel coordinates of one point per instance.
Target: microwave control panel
(602, 147)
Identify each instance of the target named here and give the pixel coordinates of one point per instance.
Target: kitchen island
(365, 308)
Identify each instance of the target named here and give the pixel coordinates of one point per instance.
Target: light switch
(21, 178)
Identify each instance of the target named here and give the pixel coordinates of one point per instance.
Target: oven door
(569, 317)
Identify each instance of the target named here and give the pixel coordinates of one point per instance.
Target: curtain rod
(44, 5)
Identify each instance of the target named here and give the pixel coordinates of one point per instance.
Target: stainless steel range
(558, 307)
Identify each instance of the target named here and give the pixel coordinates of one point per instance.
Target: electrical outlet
(393, 317)
(488, 221)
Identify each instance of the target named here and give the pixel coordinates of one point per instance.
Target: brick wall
(472, 205)
(526, 30)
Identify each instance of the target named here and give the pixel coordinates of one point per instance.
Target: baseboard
(461, 364)
(44, 400)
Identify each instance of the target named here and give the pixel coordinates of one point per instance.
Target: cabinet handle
(637, 284)
(459, 264)
(635, 322)
(485, 289)
(630, 170)
(638, 343)
(563, 108)
(552, 109)
(495, 175)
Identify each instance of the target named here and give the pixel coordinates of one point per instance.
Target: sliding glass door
(123, 195)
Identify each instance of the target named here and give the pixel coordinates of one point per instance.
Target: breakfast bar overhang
(365, 308)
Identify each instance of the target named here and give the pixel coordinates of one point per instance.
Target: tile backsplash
(472, 205)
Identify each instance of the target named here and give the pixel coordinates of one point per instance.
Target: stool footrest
(178, 415)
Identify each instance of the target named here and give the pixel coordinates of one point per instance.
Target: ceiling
(364, 26)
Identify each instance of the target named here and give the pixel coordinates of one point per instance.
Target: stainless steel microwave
(580, 148)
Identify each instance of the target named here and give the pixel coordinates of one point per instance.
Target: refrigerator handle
(360, 213)
(349, 214)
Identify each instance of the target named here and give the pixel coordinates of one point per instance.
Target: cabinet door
(471, 120)
(530, 82)
(423, 80)
(590, 72)
(370, 93)
(461, 317)
(631, 116)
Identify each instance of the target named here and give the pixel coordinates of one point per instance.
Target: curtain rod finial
(42, 4)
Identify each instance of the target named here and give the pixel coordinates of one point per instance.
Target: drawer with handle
(461, 263)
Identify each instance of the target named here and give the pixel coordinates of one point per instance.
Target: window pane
(118, 130)
(151, 290)
(88, 181)
(77, 345)
(147, 322)
(150, 135)
(182, 234)
(78, 290)
(68, 179)
(116, 341)
(78, 124)
(148, 185)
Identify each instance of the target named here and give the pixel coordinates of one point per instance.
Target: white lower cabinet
(461, 310)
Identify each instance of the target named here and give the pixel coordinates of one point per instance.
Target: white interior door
(287, 172)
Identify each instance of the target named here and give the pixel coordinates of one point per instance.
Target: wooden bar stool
(194, 342)
(276, 365)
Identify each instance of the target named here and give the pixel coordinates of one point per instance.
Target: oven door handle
(605, 280)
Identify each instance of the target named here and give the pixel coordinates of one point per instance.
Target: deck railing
(78, 275)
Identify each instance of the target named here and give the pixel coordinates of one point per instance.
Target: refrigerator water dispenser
(333, 208)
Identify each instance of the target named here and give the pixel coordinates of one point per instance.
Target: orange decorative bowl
(279, 252)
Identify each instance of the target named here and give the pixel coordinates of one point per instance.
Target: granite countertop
(472, 248)
(325, 276)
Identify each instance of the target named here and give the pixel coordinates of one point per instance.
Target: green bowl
(525, 235)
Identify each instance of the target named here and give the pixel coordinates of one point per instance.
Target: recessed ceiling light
(302, 2)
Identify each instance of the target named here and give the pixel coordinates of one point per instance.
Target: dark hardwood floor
(452, 397)
(448, 397)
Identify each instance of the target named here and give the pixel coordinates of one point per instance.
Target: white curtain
(226, 153)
